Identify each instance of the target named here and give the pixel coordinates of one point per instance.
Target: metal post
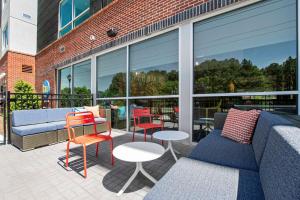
(4, 118)
(8, 117)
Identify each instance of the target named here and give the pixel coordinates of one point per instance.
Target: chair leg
(145, 134)
(97, 149)
(152, 134)
(67, 156)
(84, 160)
(133, 134)
(111, 154)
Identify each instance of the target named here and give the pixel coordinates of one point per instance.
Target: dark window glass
(82, 18)
(65, 12)
(167, 108)
(66, 30)
(111, 74)
(80, 6)
(65, 80)
(251, 49)
(154, 66)
(82, 78)
(205, 108)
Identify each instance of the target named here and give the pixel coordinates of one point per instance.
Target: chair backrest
(74, 119)
(139, 113)
(176, 109)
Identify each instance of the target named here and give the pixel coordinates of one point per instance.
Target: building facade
(18, 42)
(185, 59)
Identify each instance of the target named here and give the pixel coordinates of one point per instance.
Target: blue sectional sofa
(219, 168)
(35, 128)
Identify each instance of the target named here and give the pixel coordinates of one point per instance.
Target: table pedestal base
(139, 168)
(173, 151)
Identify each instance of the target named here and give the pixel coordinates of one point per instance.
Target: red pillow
(239, 125)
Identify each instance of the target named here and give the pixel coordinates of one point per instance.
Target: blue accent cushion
(33, 129)
(265, 122)
(122, 113)
(280, 165)
(217, 149)
(57, 114)
(191, 180)
(27, 117)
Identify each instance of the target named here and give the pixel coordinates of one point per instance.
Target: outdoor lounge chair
(86, 118)
(142, 118)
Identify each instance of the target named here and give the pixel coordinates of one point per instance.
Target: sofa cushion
(27, 117)
(59, 125)
(57, 114)
(239, 125)
(219, 150)
(280, 164)
(265, 122)
(192, 180)
(93, 109)
(33, 129)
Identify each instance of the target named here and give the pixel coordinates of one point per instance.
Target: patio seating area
(41, 172)
(150, 100)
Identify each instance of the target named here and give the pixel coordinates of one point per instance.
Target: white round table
(138, 152)
(171, 136)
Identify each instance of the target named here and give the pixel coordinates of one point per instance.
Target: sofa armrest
(219, 119)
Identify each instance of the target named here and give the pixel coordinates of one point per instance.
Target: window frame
(73, 19)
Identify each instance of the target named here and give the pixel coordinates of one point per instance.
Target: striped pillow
(239, 125)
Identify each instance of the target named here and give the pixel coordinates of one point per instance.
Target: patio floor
(40, 173)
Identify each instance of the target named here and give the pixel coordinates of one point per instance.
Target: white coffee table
(171, 136)
(138, 152)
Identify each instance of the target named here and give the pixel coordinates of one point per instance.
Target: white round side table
(171, 136)
(138, 152)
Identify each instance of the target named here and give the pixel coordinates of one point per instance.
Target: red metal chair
(82, 118)
(140, 115)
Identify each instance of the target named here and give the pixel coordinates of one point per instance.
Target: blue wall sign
(46, 87)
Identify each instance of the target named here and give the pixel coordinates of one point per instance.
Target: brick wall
(126, 15)
(11, 63)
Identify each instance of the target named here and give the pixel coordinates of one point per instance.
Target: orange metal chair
(144, 113)
(82, 118)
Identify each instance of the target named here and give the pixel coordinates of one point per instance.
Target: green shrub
(24, 99)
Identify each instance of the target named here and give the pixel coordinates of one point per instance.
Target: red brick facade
(11, 63)
(126, 15)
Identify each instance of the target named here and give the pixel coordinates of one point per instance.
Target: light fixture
(92, 38)
(61, 48)
(112, 32)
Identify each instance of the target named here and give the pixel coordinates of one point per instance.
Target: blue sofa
(35, 128)
(219, 168)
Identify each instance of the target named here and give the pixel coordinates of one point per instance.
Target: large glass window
(5, 37)
(65, 80)
(154, 66)
(111, 74)
(72, 13)
(82, 78)
(65, 12)
(249, 50)
(253, 49)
